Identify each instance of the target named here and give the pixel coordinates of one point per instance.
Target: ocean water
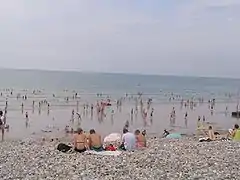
(115, 84)
(159, 88)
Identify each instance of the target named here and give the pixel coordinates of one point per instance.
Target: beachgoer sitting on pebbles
(140, 139)
(94, 141)
(165, 133)
(80, 141)
(235, 133)
(128, 141)
(211, 136)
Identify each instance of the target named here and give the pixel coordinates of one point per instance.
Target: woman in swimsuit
(80, 141)
(140, 139)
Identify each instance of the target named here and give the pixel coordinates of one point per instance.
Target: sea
(110, 85)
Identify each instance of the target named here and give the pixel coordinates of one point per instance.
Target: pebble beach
(185, 158)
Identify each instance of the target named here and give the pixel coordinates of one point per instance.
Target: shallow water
(59, 115)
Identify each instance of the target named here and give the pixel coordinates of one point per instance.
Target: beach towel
(174, 136)
(105, 153)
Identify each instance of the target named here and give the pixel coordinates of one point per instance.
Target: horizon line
(116, 73)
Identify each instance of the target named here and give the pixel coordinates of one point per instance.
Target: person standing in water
(204, 121)
(91, 111)
(112, 116)
(48, 109)
(77, 106)
(27, 119)
(173, 114)
(72, 118)
(212, 109)
(186, 119)
(151, 116)
(22, 107)
(199, 124)
(2, 125)
(131, 116)
(226, 111)
(79, 118)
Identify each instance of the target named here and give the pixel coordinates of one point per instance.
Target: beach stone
(163, 159)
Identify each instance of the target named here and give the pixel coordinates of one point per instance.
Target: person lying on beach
(80, 141)
(235, 133)
(94, 141)
(140, 139)
(128, 141)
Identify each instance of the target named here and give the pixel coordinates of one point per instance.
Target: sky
(170, 37)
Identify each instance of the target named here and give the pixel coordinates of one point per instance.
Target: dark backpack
(63, 147)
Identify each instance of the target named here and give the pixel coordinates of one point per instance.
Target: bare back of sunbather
(95, 141)
(211, 135)
(141, 140)
(80, 141)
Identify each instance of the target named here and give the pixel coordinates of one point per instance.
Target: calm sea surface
(117, 83)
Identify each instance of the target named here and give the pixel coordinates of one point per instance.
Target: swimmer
(131, 114)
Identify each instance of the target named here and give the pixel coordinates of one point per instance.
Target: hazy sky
(183, 37)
